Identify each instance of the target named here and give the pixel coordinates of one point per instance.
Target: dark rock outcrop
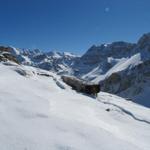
(6, 55)
(81, 86)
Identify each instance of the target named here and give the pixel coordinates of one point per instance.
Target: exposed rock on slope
(81, 86)
(6, 54)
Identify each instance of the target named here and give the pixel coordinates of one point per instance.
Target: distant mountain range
(121, 68)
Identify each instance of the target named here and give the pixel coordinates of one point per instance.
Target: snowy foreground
(39, 112)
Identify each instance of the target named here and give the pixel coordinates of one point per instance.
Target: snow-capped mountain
(61, 63)
(54, 61)
(121, 68)
(98, 60)
(40, 112)
(97, 57)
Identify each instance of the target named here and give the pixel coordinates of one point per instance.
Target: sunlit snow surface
(39, 112)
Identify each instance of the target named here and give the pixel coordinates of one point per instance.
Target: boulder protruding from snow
(81, 86)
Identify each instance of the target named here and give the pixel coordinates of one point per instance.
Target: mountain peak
(144, 41)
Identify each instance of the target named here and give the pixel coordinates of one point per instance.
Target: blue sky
(71, 25)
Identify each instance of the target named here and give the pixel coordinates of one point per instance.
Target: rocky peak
(97, 54)
(144, 42)
(93, 55)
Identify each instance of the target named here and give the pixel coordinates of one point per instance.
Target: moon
(107, 9)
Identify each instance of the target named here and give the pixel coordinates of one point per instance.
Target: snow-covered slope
(39, 112)
(121, 65)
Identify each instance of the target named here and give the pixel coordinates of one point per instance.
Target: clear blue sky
(71, 25)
